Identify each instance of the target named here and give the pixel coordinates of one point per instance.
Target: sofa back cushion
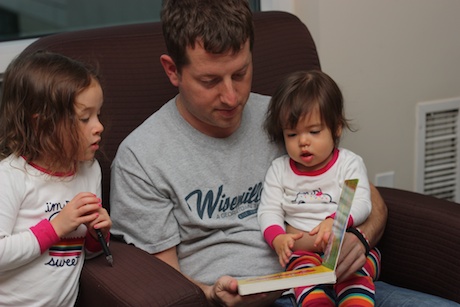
(135, 85)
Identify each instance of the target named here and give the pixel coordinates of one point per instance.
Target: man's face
(214, 89)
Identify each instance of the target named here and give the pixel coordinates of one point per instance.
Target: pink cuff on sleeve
(271, 232)
(45, 234)
(92, 244)
(350, 219)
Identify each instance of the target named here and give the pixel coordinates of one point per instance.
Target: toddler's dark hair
(297, 95)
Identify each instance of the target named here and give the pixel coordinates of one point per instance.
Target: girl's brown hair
(37, 113)
(299, 94)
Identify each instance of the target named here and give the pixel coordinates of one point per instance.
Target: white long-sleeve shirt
(37, 268)
(304, 199)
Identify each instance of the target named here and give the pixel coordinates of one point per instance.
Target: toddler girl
(302, 189)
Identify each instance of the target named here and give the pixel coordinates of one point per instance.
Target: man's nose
(228, 93)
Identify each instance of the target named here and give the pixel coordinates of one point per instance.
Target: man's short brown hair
(219, 25)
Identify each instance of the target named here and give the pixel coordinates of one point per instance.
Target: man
(186, 183)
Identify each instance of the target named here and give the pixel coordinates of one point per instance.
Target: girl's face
(88, 106)
(310, 143)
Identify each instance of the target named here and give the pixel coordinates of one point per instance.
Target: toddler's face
(309, 143)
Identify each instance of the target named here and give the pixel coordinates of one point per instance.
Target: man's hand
(352, 257)
(353, 253)
(225, 290)
(225, 293)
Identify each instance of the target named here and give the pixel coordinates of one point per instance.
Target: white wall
(9, 50)
(386, 56)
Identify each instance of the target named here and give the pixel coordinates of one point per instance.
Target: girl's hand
(322, 232)
(283, 245)
(82, 209)
(102, 222)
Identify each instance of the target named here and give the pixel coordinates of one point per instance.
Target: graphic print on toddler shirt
(314, 196)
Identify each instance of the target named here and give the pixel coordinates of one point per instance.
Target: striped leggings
(358, 290)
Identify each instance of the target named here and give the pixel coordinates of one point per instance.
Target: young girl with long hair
(50, 182)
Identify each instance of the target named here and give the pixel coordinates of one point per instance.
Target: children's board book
(323, 274)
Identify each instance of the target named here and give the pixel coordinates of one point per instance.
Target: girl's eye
(315, 131)
(84, 120)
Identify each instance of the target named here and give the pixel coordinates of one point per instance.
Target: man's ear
(170, 69)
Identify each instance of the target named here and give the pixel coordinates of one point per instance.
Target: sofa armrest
(421, 244)
(136, 279)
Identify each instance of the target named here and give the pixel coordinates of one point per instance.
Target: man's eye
(210, 83)
(239, 76)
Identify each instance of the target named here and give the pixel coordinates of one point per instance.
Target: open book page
(323, 274)
(339, 227)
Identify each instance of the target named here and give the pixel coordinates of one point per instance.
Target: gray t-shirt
(174, 186)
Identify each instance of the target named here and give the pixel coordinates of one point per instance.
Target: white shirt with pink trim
(36, 267)
(304, 199)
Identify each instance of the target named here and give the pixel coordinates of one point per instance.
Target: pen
(105, 248)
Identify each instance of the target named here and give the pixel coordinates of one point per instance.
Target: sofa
(421, 242)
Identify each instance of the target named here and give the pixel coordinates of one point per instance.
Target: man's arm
(353, 253)
(170, 257)
(374, 226)
(225, 290)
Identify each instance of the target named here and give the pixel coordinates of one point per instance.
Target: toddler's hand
(283, 245)
(322, 232)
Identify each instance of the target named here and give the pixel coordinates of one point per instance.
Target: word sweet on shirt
(62, 262)
(66, 252)
(217, 202)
